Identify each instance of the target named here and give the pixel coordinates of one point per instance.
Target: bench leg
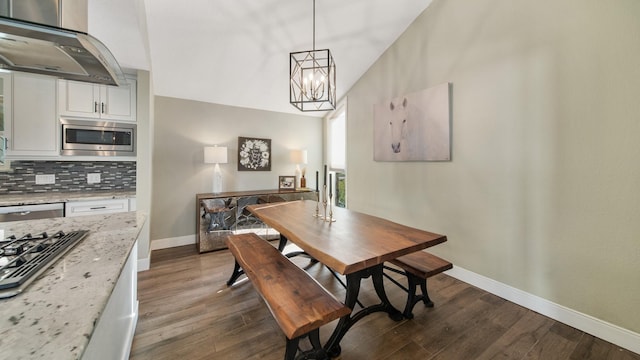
(317, 353)
(237, 272)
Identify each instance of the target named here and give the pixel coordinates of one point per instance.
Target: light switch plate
(45, 179)
(93, 178)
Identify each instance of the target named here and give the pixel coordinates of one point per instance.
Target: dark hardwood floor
(188, 312)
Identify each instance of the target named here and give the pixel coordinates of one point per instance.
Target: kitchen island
(85, 305)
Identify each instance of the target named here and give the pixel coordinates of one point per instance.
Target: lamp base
(217, 179)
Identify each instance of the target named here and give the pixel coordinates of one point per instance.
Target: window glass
(337, 145)
(337, 138)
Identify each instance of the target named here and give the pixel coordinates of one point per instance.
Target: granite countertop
(55, 197)
(55, 315)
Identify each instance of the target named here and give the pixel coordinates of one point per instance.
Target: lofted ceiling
(236, 52)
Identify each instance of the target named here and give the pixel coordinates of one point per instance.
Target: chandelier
(312, 77)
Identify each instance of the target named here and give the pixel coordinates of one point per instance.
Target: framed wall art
(414, 127)
(254, 154)
(286, 182)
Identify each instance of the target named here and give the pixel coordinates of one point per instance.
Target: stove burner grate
(28, 256)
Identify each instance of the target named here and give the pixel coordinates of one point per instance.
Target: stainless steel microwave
(97, 138)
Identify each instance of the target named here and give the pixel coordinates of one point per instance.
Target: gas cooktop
(23, 259)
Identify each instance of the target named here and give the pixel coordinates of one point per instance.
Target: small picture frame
(286, 182)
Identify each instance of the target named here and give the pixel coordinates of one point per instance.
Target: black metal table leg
(378, 284)
(282, 243)
(353, 289)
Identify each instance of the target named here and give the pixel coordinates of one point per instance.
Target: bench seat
(299, 304)
(418, 266)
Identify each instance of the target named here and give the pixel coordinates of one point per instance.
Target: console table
(221, 214)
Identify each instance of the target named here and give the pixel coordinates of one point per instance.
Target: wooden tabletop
(355, 241)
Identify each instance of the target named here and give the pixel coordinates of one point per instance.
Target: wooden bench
(299, 304)
(417, 266)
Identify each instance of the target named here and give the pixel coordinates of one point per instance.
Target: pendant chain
(314, 25)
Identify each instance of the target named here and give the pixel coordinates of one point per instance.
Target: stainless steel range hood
(33, 38)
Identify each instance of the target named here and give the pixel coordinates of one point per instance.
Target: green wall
(542, 192)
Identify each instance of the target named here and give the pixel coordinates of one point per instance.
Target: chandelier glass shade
(312, 77)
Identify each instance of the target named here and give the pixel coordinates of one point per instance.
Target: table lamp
(216, 155)
(299, 157)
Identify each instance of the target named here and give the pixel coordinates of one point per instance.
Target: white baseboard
(173, 242)
(612, 333)
(144, 264)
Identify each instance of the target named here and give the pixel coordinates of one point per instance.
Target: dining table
(351, 243)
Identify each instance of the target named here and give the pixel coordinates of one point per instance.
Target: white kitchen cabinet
(5, 99)
(93, 101)
(113, 334)
(5, 111)
(95, 207)
(32, 129)
(133, 204)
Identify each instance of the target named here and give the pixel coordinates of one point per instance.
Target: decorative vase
(303, 182)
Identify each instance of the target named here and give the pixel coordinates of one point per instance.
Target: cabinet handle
(97, 207)
(95, 106)
(103, 108)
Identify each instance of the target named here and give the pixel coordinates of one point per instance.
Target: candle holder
(317, 214)
(330, 218)
(324, 201)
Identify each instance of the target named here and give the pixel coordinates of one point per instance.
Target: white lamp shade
(299, 156)
(215, 155)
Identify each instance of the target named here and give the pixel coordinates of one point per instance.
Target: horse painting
(413, 127)
(398, 124)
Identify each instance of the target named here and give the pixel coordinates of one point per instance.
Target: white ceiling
(236, 52)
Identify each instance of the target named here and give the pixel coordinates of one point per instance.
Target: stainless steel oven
(98, 138)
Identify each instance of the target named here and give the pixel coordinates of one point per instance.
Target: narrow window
(337, 145)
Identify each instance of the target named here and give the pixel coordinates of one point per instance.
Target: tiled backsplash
(70, 176)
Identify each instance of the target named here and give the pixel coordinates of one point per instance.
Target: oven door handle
(20, 213)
